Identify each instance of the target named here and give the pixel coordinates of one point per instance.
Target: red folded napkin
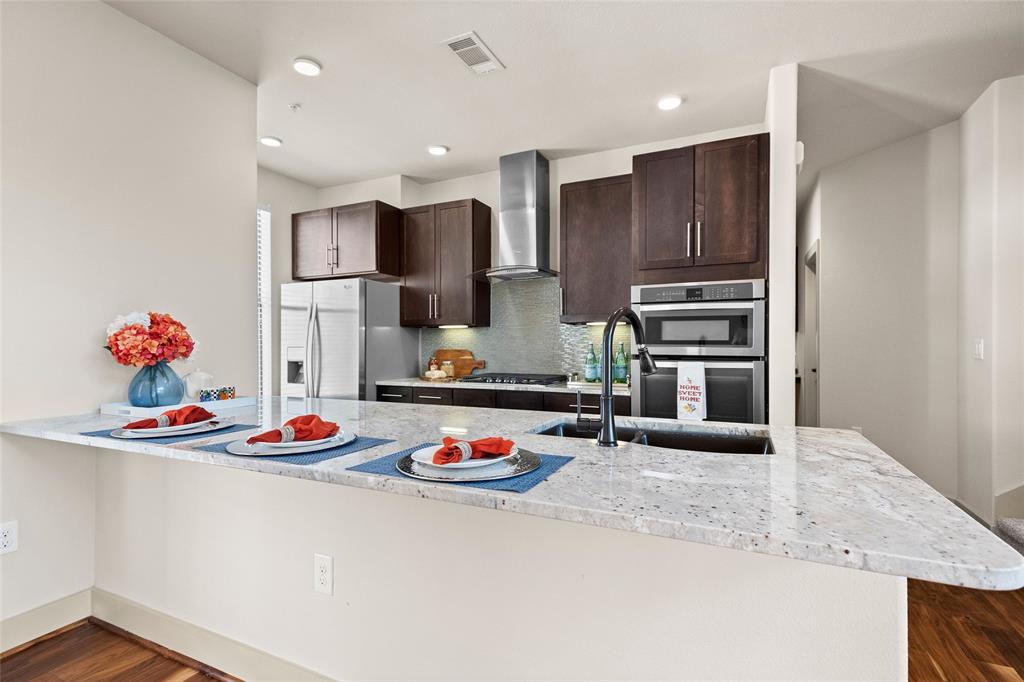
(190, 414)
(455, 450)
(306, 427)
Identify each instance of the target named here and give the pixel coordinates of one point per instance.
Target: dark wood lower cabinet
(432, 396)
(473, 397)
(508, 400)
(394, 394)
(566, 402)
(520, 400)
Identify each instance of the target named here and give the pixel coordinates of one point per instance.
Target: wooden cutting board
(463, 360)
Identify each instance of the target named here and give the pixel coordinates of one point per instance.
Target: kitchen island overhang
(601, 596)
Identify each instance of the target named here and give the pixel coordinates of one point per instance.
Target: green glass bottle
(591, 369)
(621, 367)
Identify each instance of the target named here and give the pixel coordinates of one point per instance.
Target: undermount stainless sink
(699, 441)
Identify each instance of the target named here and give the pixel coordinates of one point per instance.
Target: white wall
(128, 183)
(991, 298)
(780, 116)
(555, 599)
(284, 196)
(886, 270)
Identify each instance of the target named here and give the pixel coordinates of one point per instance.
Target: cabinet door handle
(698, 239)
(337, 256)
(561, 298)
(689, 227)
(391, 395)
(430, 397)
(437, 306)
(330, 256)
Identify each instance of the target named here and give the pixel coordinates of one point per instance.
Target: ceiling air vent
(474, 53)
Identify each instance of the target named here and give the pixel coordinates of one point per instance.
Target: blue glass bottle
(156, 386)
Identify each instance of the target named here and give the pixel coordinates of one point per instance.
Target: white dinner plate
(240, 447)
(301, 443)
(522, 463)
(207, 426)
(171, 429)
(426, 456)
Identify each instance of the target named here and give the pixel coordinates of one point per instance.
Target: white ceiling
(585, 76)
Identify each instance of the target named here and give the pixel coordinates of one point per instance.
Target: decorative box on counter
(223, 393)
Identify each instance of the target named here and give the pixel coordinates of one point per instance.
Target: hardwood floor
(94, 650)
(964, 635)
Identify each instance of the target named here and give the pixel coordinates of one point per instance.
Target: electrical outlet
(858, 429)
(323, 573)
(978, 352)
(8, 537)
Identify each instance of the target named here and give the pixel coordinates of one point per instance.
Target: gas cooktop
(535, 379)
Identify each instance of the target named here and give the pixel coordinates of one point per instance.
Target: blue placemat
(549, 464)
(360, 443)
(105, 433)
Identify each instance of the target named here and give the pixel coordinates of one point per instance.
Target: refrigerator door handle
(317, 349)
(307, 364)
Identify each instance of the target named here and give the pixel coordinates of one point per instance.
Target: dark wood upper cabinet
(419, 265)
(442, 246)
(595, 246)
(360, 240)
(726, 202)
(701, 213)
(663, 209)
(312, 239)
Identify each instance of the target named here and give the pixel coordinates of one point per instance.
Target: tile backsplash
(525, 334)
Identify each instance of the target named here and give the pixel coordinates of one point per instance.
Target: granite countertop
(561, 387)
(827, 496)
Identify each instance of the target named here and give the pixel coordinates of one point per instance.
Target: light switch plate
(323, 573)
(8, 537)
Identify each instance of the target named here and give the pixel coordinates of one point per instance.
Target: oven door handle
(706, 305)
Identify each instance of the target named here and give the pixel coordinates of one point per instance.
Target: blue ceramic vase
(155, 386)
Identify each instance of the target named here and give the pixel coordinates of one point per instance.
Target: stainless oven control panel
(741, 290)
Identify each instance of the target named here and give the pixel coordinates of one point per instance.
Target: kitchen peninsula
(793, 564)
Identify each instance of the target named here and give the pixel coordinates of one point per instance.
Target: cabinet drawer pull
(391, 395)
(586, 407)
(431, 397)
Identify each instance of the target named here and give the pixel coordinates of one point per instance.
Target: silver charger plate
(524, 463)
(240, 447)
(204, 427)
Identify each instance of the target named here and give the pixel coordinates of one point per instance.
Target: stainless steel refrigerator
(339, 337)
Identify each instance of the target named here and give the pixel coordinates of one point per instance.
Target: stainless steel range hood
(524, 219)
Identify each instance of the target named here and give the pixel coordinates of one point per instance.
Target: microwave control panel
(713, 291)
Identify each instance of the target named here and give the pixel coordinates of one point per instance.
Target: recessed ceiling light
(670, 102)
(270, 141)
(307, 66)
(438, 149)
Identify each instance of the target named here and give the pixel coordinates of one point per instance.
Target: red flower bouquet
(138, 340)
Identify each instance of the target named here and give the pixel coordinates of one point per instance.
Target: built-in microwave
(712, 319)
(720, 324)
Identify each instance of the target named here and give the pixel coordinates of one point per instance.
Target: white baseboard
(216, 650)
(25, 627)
(223, 653)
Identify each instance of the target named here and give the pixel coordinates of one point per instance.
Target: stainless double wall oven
(721, 324)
